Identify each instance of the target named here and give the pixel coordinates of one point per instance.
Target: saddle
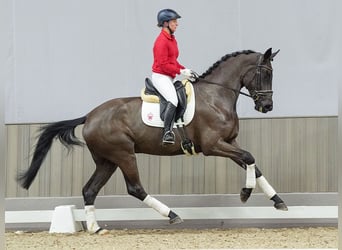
(184, 111)
(151, 94)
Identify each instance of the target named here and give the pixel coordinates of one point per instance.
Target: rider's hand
(187, 72)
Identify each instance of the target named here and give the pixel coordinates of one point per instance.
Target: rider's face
(173, 25)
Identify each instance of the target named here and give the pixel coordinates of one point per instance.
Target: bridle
(254, 94)
(257, 92)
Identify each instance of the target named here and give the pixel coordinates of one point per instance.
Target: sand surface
(318, 237)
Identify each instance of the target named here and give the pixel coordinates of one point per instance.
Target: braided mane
(224, 58)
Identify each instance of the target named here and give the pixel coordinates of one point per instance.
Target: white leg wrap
(250, 176)
(157, 205)
(92, 225)
(266, 187)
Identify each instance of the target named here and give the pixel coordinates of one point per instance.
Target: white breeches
(164, 85)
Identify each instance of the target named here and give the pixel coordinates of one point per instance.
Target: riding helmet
(166, 15)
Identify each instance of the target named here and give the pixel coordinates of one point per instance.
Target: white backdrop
(4, 71)
(68, 56)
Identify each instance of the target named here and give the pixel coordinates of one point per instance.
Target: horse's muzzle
(264, 106)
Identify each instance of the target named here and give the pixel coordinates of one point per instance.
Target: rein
(255, 94)
(216, 83)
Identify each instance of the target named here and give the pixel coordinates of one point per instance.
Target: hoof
(245, 194)
(176, 220)
(281, 206)
(102, 231)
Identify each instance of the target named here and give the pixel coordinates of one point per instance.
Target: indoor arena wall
(295, 154)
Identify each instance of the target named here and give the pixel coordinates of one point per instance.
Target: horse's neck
(224, 82)
(216, 94)
(228, 74)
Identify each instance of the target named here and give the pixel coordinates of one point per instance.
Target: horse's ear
(267, 54)
(274, 54)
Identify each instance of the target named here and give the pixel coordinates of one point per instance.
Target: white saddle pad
(150, 112)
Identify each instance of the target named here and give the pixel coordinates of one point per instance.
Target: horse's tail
(64, 131)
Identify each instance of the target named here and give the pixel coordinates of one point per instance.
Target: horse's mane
(224, 58)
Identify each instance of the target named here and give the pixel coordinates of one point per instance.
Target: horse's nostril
(269, 107)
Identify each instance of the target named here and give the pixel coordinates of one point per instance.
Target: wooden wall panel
(295, 155)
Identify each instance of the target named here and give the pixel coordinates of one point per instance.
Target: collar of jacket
(167, 35)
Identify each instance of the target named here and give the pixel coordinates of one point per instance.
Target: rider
(165, 68)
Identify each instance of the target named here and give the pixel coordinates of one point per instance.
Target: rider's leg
(169, 117)
(164, 85)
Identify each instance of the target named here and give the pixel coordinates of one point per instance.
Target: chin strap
(169, 30)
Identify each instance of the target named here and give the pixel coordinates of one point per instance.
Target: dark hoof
(176, 220)
(245, 194)
(281, 206)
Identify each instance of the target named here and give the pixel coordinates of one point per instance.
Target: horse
(114, 132)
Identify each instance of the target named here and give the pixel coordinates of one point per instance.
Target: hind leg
(104, 170)
(134, 188)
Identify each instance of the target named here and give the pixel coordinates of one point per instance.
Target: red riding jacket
(165, 52)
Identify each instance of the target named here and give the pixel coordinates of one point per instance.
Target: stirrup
(169, 137)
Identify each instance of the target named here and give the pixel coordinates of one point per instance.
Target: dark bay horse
(114, 132)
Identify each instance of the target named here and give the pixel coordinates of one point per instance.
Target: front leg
(267, 189)
(241, 157)
(253, 175)
(263, 184)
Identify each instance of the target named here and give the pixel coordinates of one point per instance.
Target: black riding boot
(169, 117)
